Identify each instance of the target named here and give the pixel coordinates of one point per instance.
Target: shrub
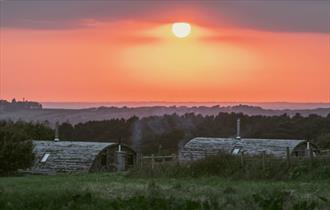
(229, 166)
(323, 140)
(15, 151)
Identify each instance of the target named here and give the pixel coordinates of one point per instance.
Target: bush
(15, 148)
(323, 141)
(155, 198)
(15, 151)
(224, 165)
(229, 166)
(89, 201)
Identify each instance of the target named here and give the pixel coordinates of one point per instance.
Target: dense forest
(165, 134)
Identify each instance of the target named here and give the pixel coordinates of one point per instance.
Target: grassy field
(117, 191)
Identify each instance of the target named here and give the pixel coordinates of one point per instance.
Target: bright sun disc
(181, 30)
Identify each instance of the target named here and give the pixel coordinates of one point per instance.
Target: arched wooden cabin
(201, 147)
(74, 156)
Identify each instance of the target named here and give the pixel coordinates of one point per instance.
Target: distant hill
(265, 105)
(75, 116)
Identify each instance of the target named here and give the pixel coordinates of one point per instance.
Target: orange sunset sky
(126, 51)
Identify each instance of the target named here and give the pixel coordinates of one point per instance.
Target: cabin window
(44, 158)
(236, 150)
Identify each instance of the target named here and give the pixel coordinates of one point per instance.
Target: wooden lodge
(201, 147)
(53, 157)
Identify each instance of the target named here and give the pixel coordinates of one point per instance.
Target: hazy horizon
(265, 105)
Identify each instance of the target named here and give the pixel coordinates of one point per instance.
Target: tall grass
(108, 191)
(231, 167)
(217, 182)
(156, 196)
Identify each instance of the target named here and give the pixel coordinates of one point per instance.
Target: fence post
(242, 159)
(288, 157)
(311, 153)
(173, 157)
(311, 157)
(141, 160)
(263, 160)
(176, 159)
(152, 161)
(138, 160)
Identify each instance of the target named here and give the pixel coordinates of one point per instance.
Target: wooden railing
(263, 158)
(156, 159)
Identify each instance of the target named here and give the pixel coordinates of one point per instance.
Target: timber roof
(202, 146)
(66, 156)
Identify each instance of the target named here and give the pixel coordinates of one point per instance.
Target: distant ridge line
(267, 105)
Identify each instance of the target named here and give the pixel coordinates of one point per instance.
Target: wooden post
(263, 160)
(310, 157)
(288, 157)
(137, 161)
(175, 158)
(152, 161)
(242, 159)
(141, 160)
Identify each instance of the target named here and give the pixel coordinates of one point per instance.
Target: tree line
(19, 105)
(165, 134)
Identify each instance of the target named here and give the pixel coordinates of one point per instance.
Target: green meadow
(119, 191)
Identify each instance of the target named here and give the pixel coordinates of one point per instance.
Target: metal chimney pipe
(308, 145)
(56, 132)
(238, 129)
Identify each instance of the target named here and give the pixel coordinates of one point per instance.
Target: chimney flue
(238, 129)
(56, 132)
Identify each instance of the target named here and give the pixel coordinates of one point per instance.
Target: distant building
(77, 156)
(201, 147)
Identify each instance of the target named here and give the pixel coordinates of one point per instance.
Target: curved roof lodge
(201, 147)
(75, 156)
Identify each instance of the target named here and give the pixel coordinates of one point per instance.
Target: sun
(181, 30)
